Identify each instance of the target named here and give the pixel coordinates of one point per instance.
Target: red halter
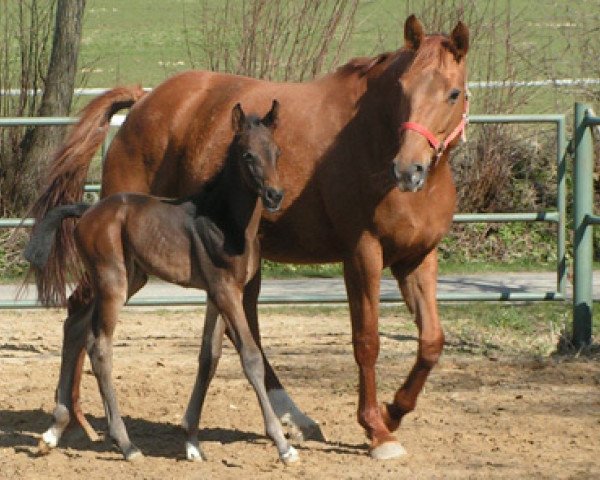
(438, 145)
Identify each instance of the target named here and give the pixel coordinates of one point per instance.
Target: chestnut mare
(364, 163)
(206, 241)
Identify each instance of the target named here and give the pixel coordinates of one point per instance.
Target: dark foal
(206, 241)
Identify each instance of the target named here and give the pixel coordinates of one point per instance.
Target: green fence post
(582, 231)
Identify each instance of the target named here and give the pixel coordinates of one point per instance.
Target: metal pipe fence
(557, 217)
(583, 221)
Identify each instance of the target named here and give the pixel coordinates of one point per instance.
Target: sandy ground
(501, 416)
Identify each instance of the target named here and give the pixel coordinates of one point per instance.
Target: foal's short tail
(41, 242)
(65, 179)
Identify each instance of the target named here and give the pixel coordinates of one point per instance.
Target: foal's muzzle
(272, 198)
(410, 178)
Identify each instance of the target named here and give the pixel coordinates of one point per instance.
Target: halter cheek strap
(438, 145)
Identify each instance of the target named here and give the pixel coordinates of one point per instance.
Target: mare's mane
(424, 56)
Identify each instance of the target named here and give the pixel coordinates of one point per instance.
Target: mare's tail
(41, 242)
(65, 179)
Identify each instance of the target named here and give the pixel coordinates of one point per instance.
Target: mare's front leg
(210, 353)
(419, 291)
(300, 427)
(229, 302)
(362, 274)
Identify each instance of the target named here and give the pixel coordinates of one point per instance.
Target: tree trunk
(40, 143)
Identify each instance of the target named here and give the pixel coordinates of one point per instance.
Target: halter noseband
(438, 145)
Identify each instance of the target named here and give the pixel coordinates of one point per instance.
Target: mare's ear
(413, 33)
(460, 40)
(270, 119)
(238, 118)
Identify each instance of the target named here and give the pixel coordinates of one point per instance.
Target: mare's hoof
(387, 451)
(291, 456)
(133, 454)
(194, 453)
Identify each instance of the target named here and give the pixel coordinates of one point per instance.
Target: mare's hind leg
(230, 305)
(111, 295)
(419, 291)
(299, 426)
(67, 407)
(210, 353)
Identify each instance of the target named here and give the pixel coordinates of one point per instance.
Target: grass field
(143, 41)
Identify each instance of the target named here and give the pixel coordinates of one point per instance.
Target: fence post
(582, 231)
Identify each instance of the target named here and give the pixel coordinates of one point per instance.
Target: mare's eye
(248, 157)
(454, 94)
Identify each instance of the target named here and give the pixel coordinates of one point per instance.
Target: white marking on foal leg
(51, 436)
(290, 456)
(300, 426)
(193, 452)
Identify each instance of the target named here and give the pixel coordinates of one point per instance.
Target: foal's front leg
(229, 302)
(210, 353)
(300, 427)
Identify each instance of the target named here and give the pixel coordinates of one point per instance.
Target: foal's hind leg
(210, 353)
(81, 298)
(67, 403)
(419, 292)
(252, 362)
(300, 427)
(111, 295)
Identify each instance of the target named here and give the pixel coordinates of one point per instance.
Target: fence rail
(583, 221)
(557, 217)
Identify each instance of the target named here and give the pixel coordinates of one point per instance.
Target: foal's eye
(454, 94)
(248, 157)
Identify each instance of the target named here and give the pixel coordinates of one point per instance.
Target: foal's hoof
(387, 451)
(43, 448)
(194, 453)
(133, 454)
(299, 430)
(291, 456)
(48, 441)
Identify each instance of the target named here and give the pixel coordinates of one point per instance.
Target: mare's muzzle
(410, 178)
(272, 198)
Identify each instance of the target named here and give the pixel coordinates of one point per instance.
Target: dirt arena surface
(504, 415)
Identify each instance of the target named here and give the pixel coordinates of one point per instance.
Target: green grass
(474, 328)
(144, 41)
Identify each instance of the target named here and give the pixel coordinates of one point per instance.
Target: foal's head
(257, 153)
(434, 93)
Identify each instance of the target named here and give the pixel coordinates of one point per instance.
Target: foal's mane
(206, 196)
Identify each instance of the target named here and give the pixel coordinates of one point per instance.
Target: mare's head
(434, 101)
(256, 153)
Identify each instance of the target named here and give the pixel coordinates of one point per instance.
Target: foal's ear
(460, 40)
(238, 118)
(270, 119)
(414, 33)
